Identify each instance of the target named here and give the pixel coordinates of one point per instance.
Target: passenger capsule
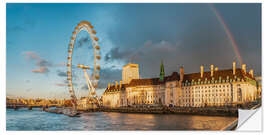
(91, 26)
(97, 47)
(98, 67)
(94, 32)
(97, 76)
(98, 57)
(96, 38)
(85, 22)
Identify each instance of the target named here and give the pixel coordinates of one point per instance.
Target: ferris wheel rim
(83, 26)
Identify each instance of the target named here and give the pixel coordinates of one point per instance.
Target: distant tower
(129, 72)
(162, 73)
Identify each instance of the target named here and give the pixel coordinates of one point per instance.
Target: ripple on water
(35, 119)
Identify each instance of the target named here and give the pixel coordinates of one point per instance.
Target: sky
(181, 34)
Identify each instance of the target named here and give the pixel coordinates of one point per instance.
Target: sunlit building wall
(212, 88)
(129, 72)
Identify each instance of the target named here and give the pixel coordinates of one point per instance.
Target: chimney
(120, 84)
(112, 84)
(181, 74)
(116, 84)
(234, 63)
(244, 68)
(216, 68)
(212, 70)
(109, 85)
(251, 72)
(201, 71)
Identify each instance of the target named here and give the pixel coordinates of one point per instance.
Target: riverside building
(229, 87)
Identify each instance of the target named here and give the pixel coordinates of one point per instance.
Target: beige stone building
(129, 72)
(212, 88)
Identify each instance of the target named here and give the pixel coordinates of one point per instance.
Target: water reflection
(24, 119)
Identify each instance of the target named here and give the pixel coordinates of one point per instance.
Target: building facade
(129, 72)
(228, 87)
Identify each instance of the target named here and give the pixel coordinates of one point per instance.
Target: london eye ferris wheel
(83, 63)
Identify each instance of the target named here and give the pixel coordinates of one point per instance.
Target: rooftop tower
(129, 72)
(162, 73)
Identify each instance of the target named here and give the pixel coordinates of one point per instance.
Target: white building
(212, 88)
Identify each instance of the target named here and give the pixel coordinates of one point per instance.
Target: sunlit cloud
(42, 64)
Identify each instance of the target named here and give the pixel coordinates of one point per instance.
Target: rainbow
(228, 33)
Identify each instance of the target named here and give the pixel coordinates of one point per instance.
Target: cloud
(41, 70)
(187, 36)
(61, 73)
(109, 75)
(82, 41)
(61, 84)
(118, 54)
(64, 83)
(30, 55)
(61, 64)
(42, 65)
(131, 54)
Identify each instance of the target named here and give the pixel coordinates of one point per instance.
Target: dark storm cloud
(108, 75)
(117, 54)
(186, 35)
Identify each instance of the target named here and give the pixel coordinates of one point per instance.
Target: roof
(223, 74)
(131, 64)
(113, 88)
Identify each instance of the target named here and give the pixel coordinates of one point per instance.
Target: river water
(23, 119)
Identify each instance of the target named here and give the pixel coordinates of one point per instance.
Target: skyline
(139, 33)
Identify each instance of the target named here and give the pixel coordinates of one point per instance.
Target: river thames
(27, 120)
